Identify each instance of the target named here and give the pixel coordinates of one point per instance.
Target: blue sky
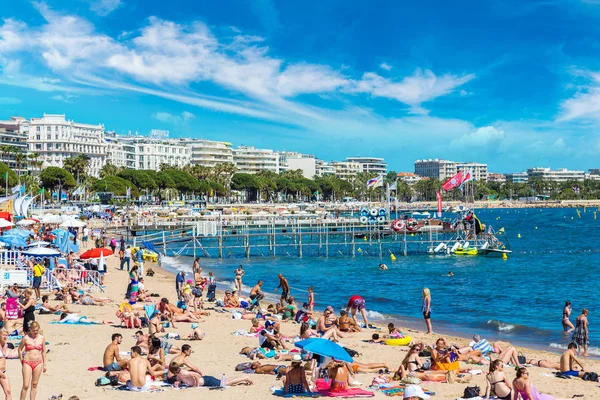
(511, 83)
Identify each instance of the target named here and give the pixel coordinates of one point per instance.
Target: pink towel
(323, 389)
(12, 309)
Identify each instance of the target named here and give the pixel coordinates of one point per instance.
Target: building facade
(13, 136)
(480, 171)
(209, 153)
(498, 178)
(408, 177)
(324, 168)
(517, 177)
(249, 160)
(346, 170)
(55, 138)
(147, 152)
(305, 162)
(557, 175)
(371, 165)
(434, 168)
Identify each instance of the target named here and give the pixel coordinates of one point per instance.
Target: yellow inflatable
(405, 341)
(466, 252)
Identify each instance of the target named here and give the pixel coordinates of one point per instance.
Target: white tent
(73, 223)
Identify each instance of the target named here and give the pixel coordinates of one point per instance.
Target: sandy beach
(74, 349)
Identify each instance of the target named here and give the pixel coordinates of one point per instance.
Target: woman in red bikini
(32, 353)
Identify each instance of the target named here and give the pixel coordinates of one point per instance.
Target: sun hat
(415, 391)
(296, 358)
(189, 281)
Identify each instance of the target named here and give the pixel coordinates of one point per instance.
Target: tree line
(223, 182)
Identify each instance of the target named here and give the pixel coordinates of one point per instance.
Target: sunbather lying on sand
(197, 379)
(268, 369)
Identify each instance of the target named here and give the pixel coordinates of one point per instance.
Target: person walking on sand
(426, 308)
(239, 273)
(32, 353)
(285, 289)
(566, 322)
(581, 335)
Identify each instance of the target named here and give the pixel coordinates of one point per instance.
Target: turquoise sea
(520, 299)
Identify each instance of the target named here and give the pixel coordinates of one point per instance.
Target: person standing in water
(566, 322)
(581, 335)
(239, 273)
(311, 298)
(426, 308)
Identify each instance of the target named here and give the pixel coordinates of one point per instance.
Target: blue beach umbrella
(326, 348)
(13, 241)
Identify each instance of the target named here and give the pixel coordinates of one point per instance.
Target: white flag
(394, 186)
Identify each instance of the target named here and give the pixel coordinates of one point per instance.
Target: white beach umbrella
(41, 252)
(26, 222)
(4, 223)
(39, 244)
(73, 223)
(51, 219)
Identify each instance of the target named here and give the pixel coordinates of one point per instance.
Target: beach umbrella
(13, 241)
(51, 219)
(72, 223)
(39, 244)
(326, 348)
(4, 223)
(96, 253)
(41, 252)
(27, 222)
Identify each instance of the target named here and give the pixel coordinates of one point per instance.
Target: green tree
(77, 166)
(139, 178)
(13, 179)
(247, 183)
(53, 177)
(116, 185)
(109, 169)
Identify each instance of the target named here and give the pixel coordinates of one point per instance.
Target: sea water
(520, 299)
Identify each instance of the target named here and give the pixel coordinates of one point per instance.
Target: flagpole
(388, 200)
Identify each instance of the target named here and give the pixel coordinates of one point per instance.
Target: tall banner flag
(394, 186)
(468, 177)
(439, 204)
(453, 182)
(375, 182)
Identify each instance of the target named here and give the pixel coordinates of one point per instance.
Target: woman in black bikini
(28, 309)
(497, 382)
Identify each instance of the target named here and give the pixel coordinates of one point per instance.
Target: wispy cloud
(65, 97)
(385, 66)
(104, 7)
(585, 103)
(168, 118)
(9, 100)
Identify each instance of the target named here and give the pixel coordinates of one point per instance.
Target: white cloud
(104, 7)
(385, 66)
(65, 97)
(413, 90)
(483, 137)
(585, 103)
(168, 118)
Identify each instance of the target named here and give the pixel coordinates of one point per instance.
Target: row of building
(53, 139)
(444, 169)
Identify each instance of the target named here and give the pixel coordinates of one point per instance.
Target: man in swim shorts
(285, 289)
(357, 303)
(568, 361)
(138, 368)
(182, 359)
(112, 360)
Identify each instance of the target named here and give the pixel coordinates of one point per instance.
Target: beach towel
(279, 393)
(12, 309)
(323, 389)
(398, 390)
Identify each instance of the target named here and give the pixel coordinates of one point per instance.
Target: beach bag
(453, 366)
(590, 376)
(522, 359)
(211, 293)
(411, 380)
(12, 309)
(181, 304)
(471, 391)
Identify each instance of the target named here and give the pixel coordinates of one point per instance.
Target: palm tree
(109, 169)
(34, 157)
(20, 159)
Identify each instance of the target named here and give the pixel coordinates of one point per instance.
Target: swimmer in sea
(383, 267)
(450, 273)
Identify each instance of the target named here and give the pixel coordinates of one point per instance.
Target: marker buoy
(504, 256)
(536, 227)
(519, 235)
(393, 257)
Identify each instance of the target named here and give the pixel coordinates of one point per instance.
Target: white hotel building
(209, 153)
(557, 175)
(55, 138)
(147, 152)
(249, 160)
(444, 169)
